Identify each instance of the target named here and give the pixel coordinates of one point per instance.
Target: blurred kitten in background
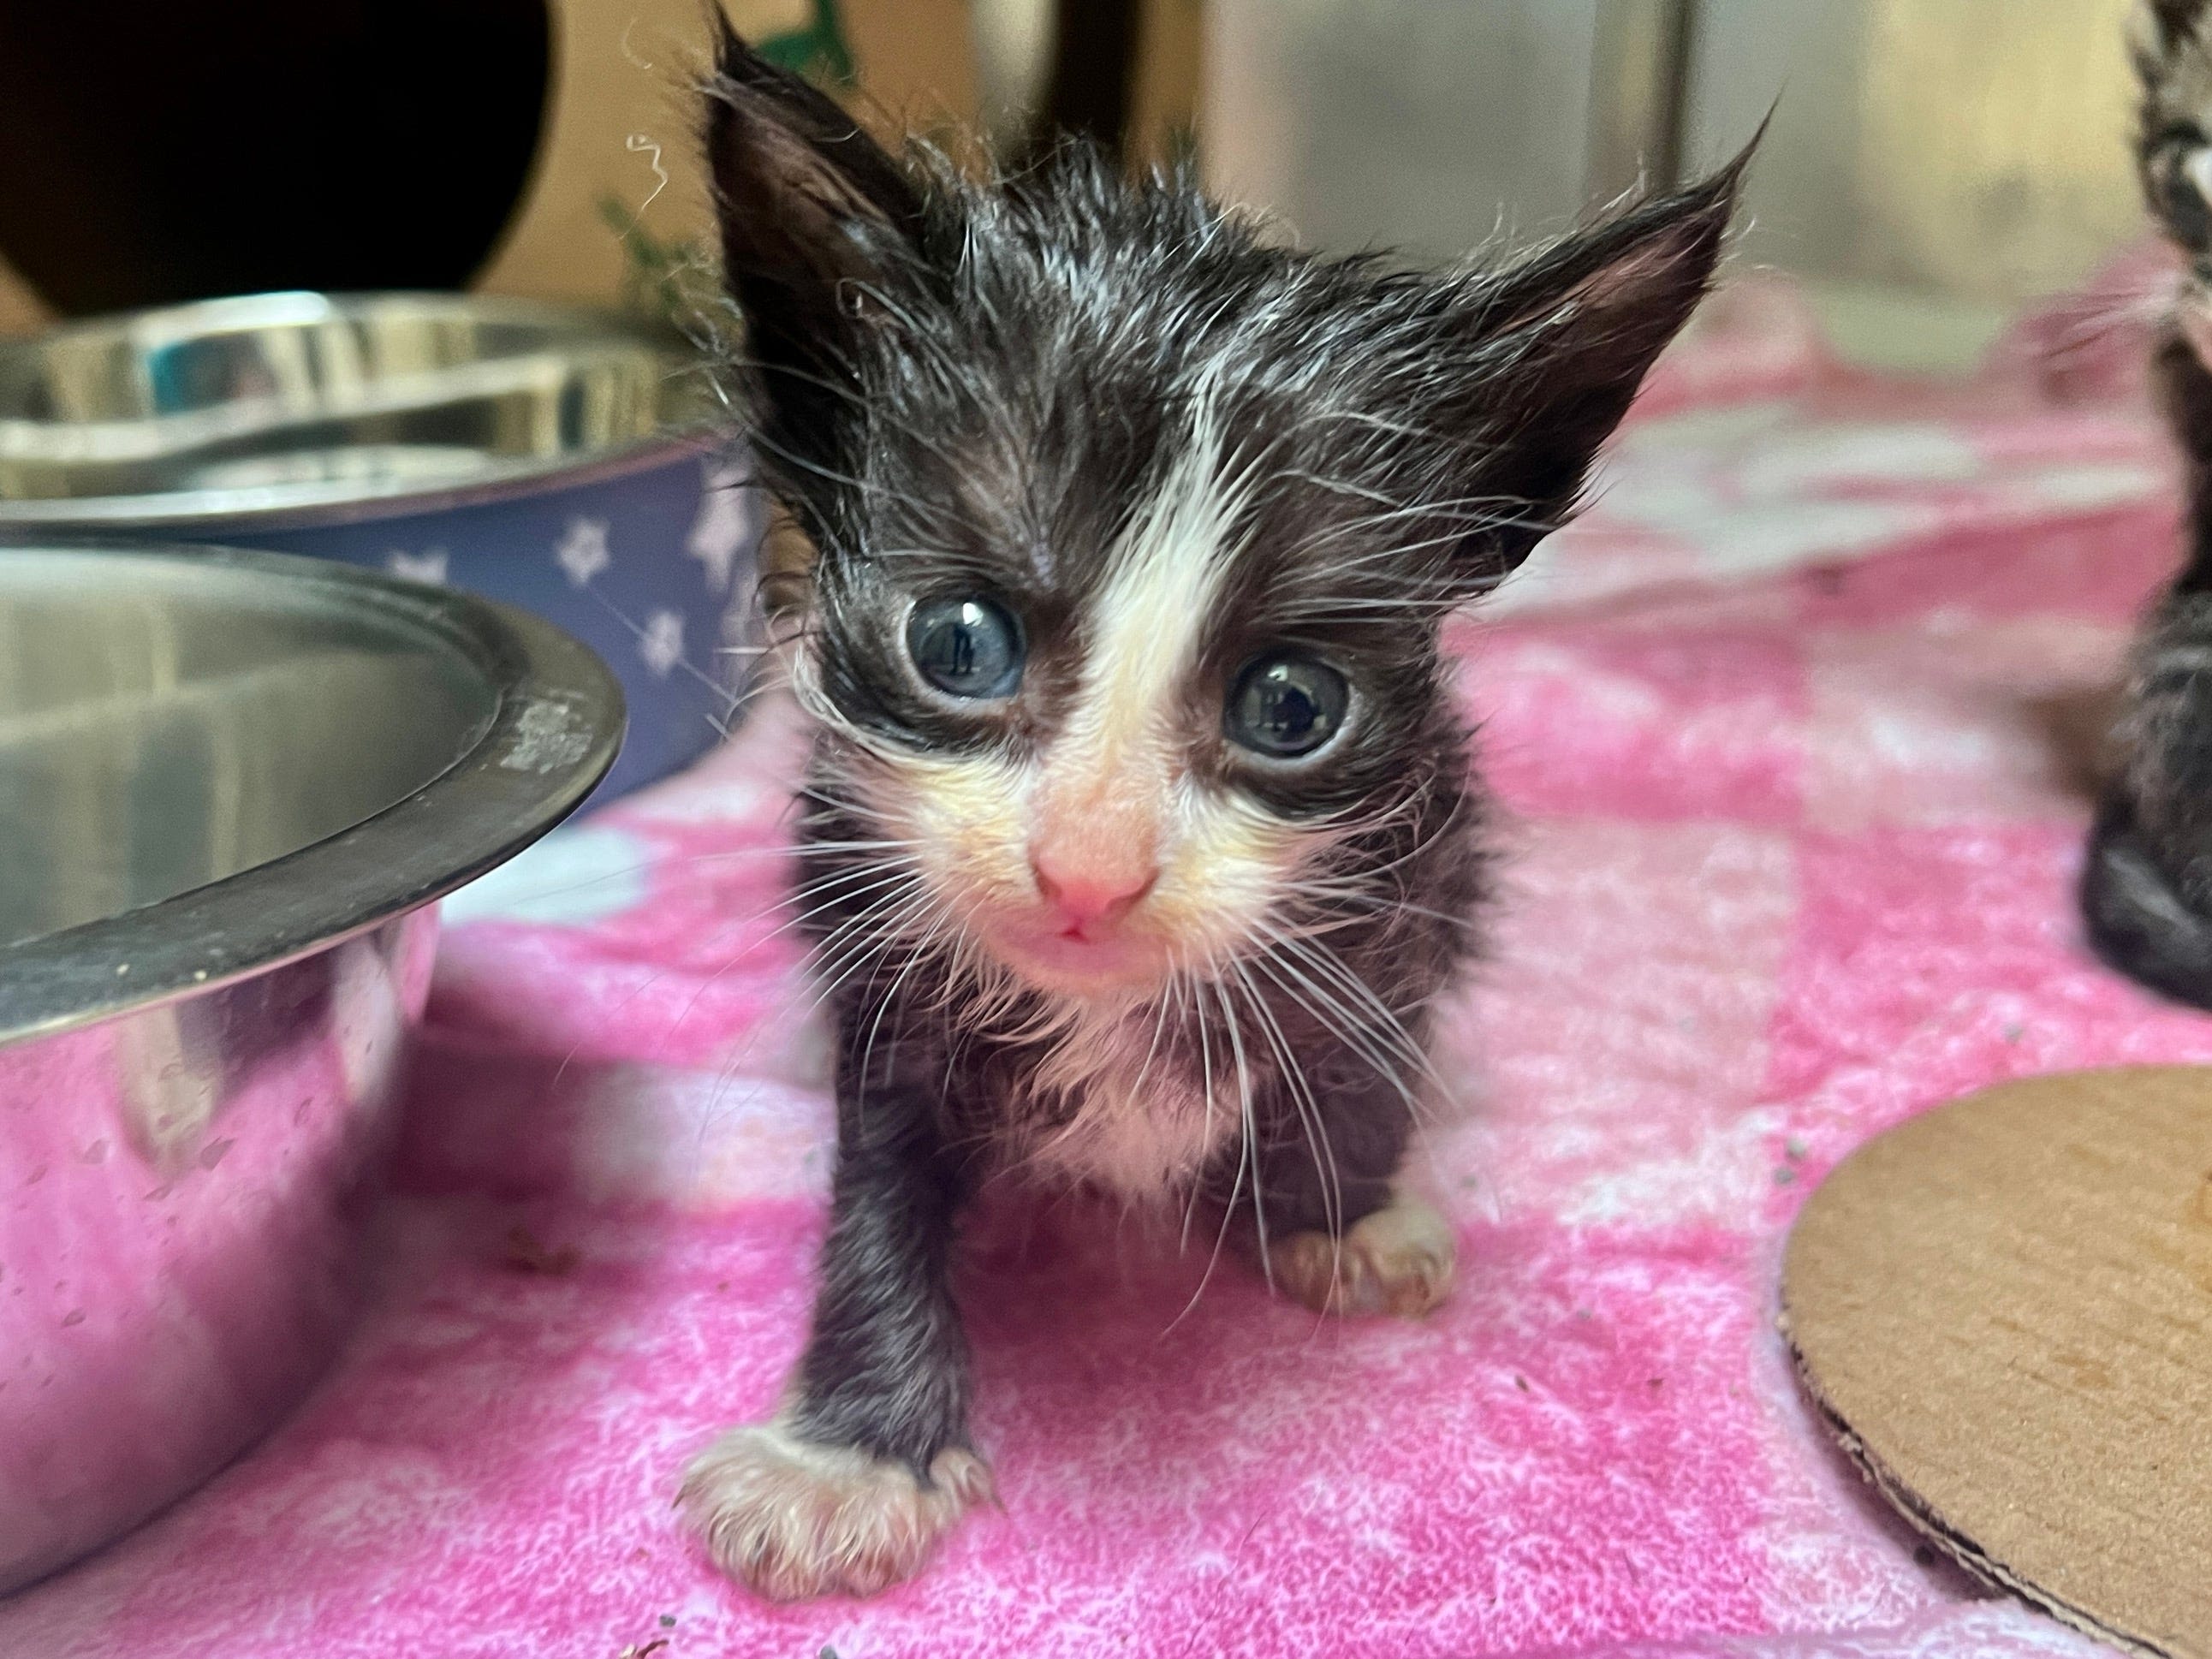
(2147, 886)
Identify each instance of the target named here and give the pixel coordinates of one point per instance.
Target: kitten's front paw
(1398, 1260)
(792, 1520)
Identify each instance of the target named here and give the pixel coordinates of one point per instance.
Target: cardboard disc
(2004, 1309)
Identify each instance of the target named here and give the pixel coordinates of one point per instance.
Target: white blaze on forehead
(1166, 577)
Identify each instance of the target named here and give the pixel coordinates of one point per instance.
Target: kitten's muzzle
(1088, 900)
(1074, 940)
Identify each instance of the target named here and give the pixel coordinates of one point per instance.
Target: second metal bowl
(557, 459)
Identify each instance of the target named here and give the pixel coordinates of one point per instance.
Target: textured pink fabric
(1776, 733)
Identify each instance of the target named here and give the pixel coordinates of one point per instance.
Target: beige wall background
(1930, 166)
(621, 118)
(20, 310)
(1973, 148)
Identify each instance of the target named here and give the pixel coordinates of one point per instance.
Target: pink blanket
(1786, 731)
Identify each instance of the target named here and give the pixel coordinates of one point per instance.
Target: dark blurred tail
(2137, 920)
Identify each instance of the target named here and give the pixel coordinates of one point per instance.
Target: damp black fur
(958, 388)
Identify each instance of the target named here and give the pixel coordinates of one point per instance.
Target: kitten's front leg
(1342, 1236)
(2146, 883)
(868, 1464)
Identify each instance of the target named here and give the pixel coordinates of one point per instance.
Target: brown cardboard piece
(2003, 1308)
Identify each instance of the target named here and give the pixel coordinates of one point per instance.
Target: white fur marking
(1168, 572)
(1139, 1129)
(2182, 659)
(1398, 1260)
(795, 1520)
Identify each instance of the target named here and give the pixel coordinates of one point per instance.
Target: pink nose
(1091, 898)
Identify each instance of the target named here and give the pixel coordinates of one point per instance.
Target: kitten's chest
(1116, 1103)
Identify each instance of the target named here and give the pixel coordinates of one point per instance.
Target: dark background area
(148, 149)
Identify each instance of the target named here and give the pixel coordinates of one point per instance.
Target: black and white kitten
(2147, 886)
(1141, 835)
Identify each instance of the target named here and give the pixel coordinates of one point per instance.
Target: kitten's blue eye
(965, 647)
(1286, 706)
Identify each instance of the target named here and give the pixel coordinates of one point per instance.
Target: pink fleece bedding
(1787, 732)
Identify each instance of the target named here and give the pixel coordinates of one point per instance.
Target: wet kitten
(1140, 834)
(2147, 888)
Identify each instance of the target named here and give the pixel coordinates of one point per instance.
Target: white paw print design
(427, 566)
(724, 528)
(583, 550)
(661, 642)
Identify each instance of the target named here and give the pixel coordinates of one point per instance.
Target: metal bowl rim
(495, 799)
(252, 507)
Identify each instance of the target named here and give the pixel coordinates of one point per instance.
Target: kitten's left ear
(1565, 340)
(803, 191)
(812, 214)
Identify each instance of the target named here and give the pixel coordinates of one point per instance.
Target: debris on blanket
(525, 1254)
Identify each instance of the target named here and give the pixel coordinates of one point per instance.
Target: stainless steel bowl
(231, 785)
(561, 460)
(272, 407)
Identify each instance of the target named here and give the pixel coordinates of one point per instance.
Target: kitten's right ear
(813, 211)
(1557, 348)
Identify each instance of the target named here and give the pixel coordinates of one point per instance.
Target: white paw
(792, 1520)
(1398, 1260)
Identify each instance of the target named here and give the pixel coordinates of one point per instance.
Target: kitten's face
(1116, 735)
(1135, 534)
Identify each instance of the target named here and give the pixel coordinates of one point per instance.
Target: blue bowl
(561, 461)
